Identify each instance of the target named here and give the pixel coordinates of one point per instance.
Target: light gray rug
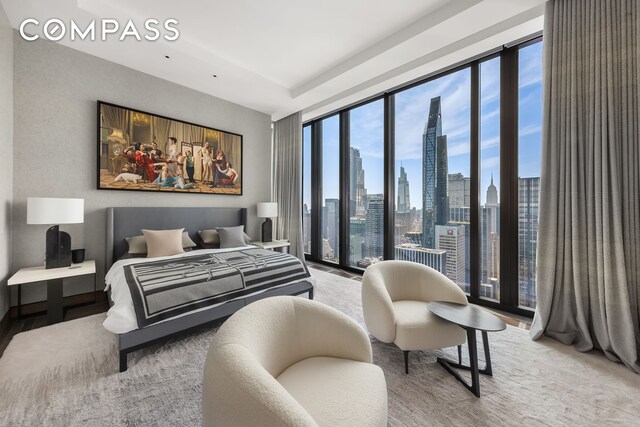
(66, 374)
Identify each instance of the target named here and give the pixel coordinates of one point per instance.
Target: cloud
(490, 115)
(458, 149)
(530, 71)
(529, 130)
(490, 162)
(412, 109)
(367, 129)
(489, 142)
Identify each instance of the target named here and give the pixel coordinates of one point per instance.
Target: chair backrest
(405, 280)
(255, 345)
(280, 331)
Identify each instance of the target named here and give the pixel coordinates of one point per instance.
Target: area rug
(66, 375)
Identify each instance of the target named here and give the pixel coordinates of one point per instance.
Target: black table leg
(473, 360)
(55, 310)
(487, 355)
(474, 387)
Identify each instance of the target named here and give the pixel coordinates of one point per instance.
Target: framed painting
(140, 151)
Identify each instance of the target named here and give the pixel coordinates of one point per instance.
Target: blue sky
(412, 108)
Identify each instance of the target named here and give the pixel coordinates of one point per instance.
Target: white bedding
(121, 317)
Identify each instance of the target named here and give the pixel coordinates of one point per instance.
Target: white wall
(55, 94)
(6, 153)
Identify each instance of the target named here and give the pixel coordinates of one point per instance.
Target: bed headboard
(127, 222)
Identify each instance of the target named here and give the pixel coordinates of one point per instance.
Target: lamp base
(58, 248)
(267, 226)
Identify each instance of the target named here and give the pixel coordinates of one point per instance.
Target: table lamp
(50, 211)
(267, 210)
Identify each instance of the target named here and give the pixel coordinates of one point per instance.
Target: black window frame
(509, 276)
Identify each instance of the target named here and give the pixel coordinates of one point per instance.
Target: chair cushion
(417, 328)
(338, 392)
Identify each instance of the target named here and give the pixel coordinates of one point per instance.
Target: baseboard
(41, 306)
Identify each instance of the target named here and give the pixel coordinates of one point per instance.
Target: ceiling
(283, 56)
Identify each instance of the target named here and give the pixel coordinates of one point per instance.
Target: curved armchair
(394, 294)
(289, 361)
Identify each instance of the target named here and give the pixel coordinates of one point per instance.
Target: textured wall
(6, 151)
(55, 92)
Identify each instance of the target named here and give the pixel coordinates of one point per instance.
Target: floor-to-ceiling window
(330, 219)
(489, 179)
(366, 184)
(432, 156)
(529, 152)
(306, 189)
(428, 173)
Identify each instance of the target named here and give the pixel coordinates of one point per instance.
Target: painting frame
(127, 156)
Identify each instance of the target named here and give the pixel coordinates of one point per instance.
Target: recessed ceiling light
(166, 56)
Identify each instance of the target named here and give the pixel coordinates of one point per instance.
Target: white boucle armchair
(289, 361)
(394, 297)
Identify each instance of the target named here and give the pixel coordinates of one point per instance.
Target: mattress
(122, 317)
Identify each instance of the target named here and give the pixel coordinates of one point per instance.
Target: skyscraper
(460, 210)
(357, 190)
(490, 244)
(528, 195)
(306, 229)
(404, 203)
(492, 194)
(434, 258)
(357, 230)
(331, 224)
(374, 228)
(434, 175)
(451, 238)
(459, 191)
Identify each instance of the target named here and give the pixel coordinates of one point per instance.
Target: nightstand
(279, 245)
(54, 278)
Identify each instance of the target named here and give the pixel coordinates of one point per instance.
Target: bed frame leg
(311, 293)
(123, 361)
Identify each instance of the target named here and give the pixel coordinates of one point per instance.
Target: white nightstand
(279, 245)
(54, 278)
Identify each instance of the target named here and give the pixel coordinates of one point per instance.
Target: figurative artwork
(146, 152)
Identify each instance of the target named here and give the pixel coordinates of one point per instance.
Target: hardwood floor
(81, 306)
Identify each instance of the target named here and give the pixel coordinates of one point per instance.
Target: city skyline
(432, 177)
(367, 131)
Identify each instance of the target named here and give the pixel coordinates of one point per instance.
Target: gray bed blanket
(166, 288)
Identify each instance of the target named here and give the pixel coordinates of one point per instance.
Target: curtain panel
(589, 228)
(286, 181)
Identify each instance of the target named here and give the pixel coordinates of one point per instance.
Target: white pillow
(138, 244)
(163, 242)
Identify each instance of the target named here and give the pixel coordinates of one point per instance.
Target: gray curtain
(589, 228)
(286, 181)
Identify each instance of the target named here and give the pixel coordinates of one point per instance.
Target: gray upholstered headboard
(127, 222)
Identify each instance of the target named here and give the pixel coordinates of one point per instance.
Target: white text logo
(55, 30)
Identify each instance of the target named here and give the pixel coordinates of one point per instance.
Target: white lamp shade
(267, 210)
(44, 210)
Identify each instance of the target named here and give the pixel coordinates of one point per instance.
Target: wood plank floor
(38, 320)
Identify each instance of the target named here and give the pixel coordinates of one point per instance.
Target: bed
(128, 221)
